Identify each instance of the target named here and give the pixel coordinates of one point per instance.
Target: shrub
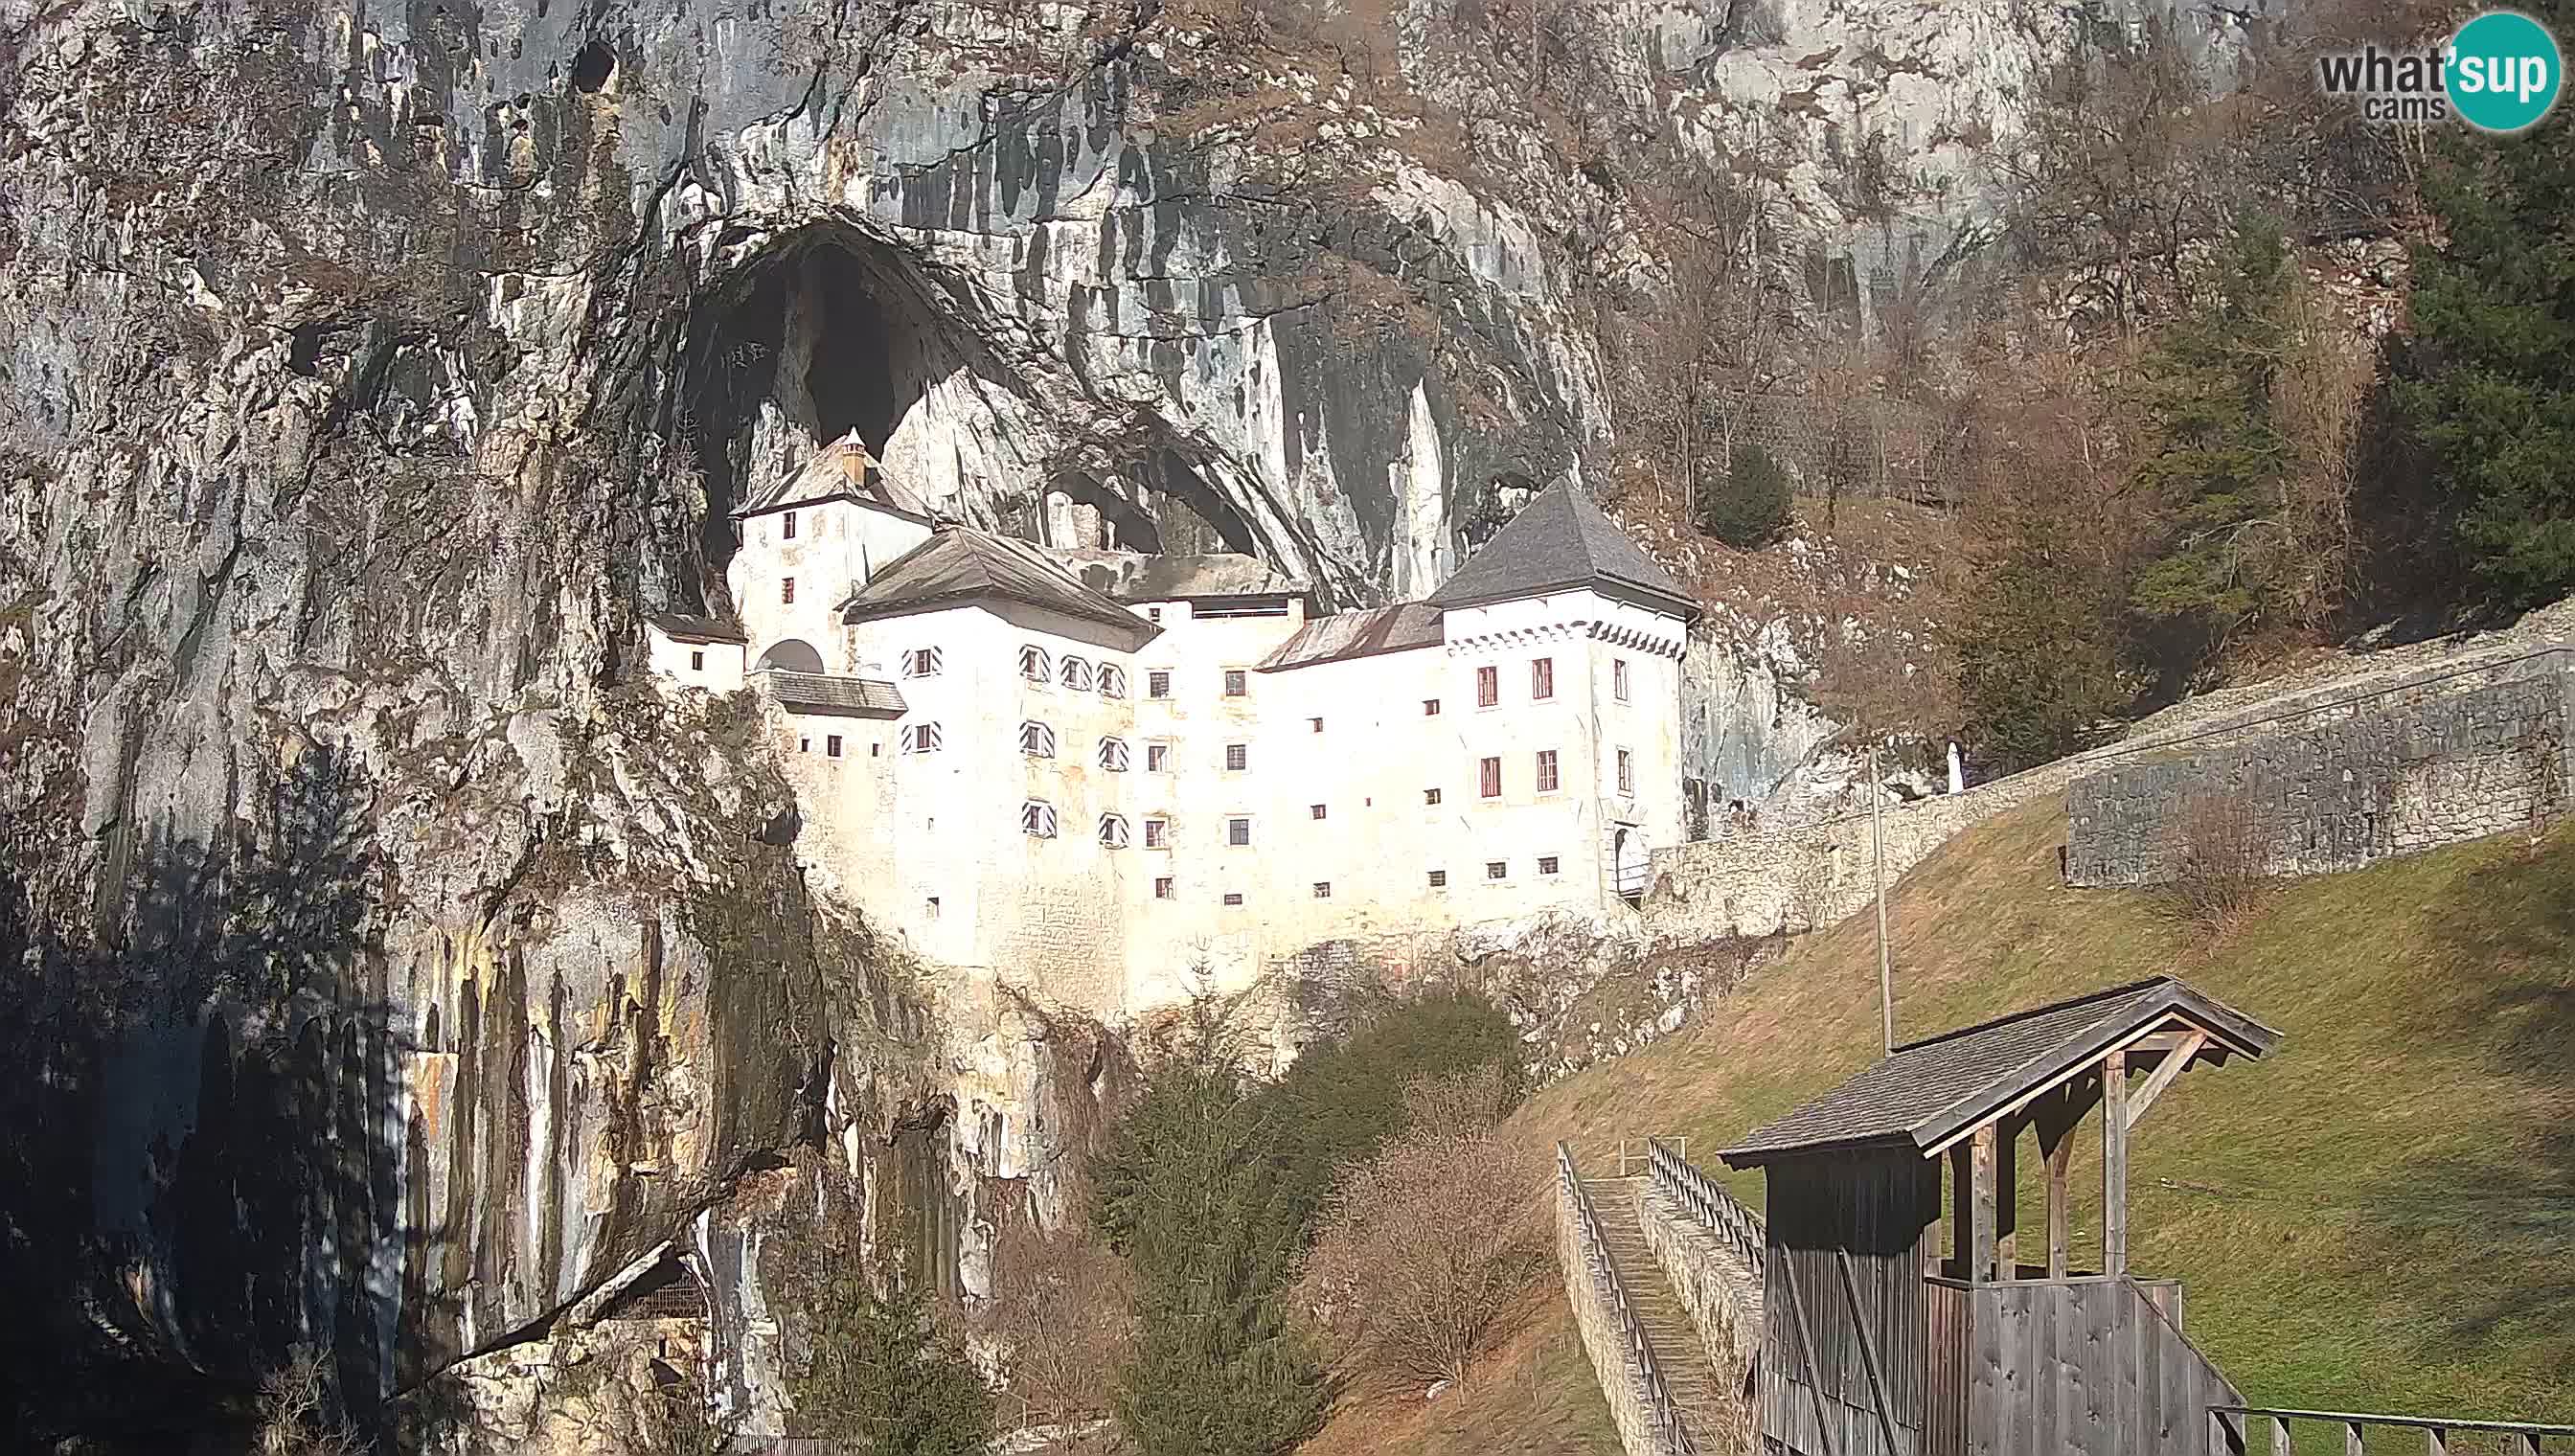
(1427, 1241)
(1063, 1312)
(2221, 851)
(295, 1416)
(1745, 506)
(879, 1371)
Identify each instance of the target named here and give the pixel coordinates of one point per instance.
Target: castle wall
(679, 660)
(838, 546)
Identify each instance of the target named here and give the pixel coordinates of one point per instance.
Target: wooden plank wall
(1874, 1211)
(2084, 1366)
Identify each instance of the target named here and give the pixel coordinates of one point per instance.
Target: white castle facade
(1118, 778)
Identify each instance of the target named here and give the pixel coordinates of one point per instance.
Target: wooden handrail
(1722, 1212)
(1658, 1392)
(2356, 1424)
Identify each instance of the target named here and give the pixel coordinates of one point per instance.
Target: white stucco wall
(839, 545)
(1079, 921)
(714, 665)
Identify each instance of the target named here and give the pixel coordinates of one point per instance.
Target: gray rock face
(397, 968)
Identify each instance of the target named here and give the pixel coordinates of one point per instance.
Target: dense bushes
(1211, 1187)
(1748, 504)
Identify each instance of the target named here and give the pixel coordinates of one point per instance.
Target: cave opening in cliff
(823, 335)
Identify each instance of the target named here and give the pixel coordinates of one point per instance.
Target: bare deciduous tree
(1063, 1312)
(296, 1416)
(1425, 1245)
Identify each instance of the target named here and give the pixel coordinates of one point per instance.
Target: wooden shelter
(1877, 1344)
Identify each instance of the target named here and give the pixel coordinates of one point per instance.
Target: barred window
(1158, 685)
(1238, 832)
(1236, 683)
(1547, 865)
(1488, 778)
(1237, 756)
(1497, 868)
(1546, 771)
(1541, 678)
(1323, 890)
(1440, 879)
(1036, 740)
(922, 737)
(1037, 818)
(1488, 687)
(1113, 755)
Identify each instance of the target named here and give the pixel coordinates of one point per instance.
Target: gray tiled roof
(843, 470)
(1558, 542)
(680, 626)
(826, 692)
(1130, 576)
(957, 566)
(1347, 635)
(1925, 1091)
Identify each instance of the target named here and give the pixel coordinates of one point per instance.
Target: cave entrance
(827, 333)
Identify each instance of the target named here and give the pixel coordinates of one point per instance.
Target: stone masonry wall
(1723, 1296)
(2430, 764)
(2440, 773)
(1622, 1379)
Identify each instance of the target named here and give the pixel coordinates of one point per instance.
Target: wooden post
(2060, 1162)
(2007, 1202)
(1981, 1214)
(1877, 845)
(2115, 1163)
(1962, 1210)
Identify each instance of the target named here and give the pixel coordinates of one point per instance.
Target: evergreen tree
(1747, 506)
(2489, 382)
(882, 1375)
(1188, 1191)
(2215, 461)
(2037, 662)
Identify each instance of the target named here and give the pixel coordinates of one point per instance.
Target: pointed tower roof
(842, 471)
(1560, 542)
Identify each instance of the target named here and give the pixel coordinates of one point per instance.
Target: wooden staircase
(1709, 1407)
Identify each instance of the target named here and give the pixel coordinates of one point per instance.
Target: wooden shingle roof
(1560, 542)
(680, 626)
(1347, 635)
(956, 565)
(830, 693)
(1922, 1095)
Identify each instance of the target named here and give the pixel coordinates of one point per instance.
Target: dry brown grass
(2372, 1218)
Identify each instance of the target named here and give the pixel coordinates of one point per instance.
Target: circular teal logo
(2502, 71)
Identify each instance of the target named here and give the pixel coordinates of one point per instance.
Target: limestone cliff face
(397, 968)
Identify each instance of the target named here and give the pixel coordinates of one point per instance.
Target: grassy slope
(2379, 1217)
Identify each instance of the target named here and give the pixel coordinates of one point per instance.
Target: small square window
(1488, 687)
(697, 661)
(1618, 679)
(1323, 890)
(832, 747)
(787, 530)
(1236, 683)
(1316, 809)
(1157, 834)
(1158, 757)
(1318, 723)
(1541, 678)
(875, 751)
(1153, 614)
(1158, 685)
(1237, 756)
(1497, 868)
(1430, 795)
(1440, 879)
(1547, 865)
(934, 907)
(786, 591)
(1238, 832)
(1488, 778)
(1162, 887)
(804, 746)
(1430, 708)
(1546, 771)
(1232, 899)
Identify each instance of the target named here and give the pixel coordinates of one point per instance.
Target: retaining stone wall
(2431, 763)
(1622, 1379)
(1724, 1297)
